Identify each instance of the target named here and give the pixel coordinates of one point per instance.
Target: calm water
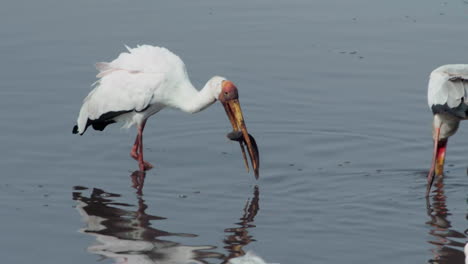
(333, 91)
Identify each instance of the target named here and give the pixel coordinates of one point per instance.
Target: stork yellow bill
(229, 97)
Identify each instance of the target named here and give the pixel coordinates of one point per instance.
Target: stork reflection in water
(446, 239)
(127, 236)
(238, 237)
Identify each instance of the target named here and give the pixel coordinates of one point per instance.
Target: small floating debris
(352, 52)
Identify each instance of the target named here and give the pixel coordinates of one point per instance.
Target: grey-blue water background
(334, 92)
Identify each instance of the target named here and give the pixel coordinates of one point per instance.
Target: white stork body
(144, 80)
(447, 97)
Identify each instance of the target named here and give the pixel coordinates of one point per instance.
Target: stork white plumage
(466, 253)
(447, 98)
(144, 80)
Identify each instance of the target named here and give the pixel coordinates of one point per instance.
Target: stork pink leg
(134, 152)
(137, 149)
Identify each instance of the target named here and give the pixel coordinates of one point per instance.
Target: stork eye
(225, 93)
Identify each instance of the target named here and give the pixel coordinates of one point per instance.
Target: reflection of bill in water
(238, 237)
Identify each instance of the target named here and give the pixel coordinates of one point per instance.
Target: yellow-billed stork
(447, 98)
(144, 80)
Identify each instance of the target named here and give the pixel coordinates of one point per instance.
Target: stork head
(229, 98)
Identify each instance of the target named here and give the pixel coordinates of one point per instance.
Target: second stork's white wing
(448, 84)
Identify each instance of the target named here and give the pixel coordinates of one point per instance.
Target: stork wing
(118, 91)
(129, 83)
(448, 89)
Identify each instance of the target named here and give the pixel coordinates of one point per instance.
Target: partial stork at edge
(448, 99)
(144, 80)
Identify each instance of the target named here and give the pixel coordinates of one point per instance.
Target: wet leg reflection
(238, 237)
(138, 181)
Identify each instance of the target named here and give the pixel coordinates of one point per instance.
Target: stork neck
(193, 101)
(448, 125)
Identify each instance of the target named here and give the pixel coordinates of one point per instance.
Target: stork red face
(438, 159)
(229, 97)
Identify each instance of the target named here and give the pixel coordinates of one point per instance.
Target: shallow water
(333, 91)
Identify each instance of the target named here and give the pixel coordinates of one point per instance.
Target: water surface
(333, 91)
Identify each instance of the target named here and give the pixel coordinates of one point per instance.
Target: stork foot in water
(138, 156)
(142, 164)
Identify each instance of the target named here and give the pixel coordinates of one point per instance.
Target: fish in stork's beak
(229, 97)
(438, 159)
